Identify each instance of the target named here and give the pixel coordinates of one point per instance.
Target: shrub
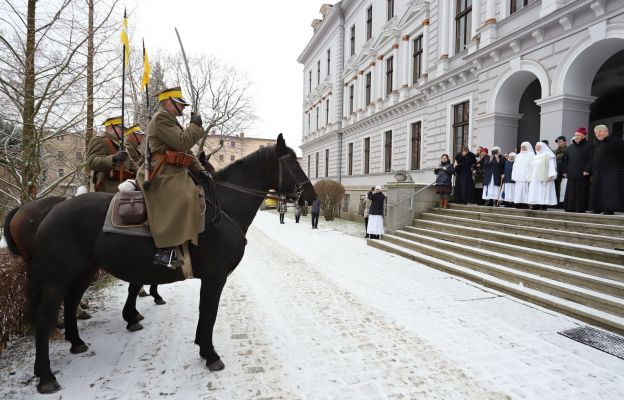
(330, 193)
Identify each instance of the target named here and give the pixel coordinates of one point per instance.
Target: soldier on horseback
(109, 162)
(172, 200)
(134, 144)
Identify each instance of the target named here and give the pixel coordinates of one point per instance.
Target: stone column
(476, 23)
(563, 114)
(488, 31)
(380, 81)
(444, 37)
(405, 69)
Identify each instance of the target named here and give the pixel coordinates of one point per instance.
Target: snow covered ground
(317, 314)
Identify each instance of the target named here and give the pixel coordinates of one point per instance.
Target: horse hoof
(139, 317)
(160, 301)
(81, 348)
(134, 327)
(216, 366)
(48, 388)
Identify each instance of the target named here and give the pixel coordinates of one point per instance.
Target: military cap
(112, 121)
(175, 94)
(136, 129)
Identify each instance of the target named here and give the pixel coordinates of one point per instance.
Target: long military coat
(172, 201)
(100, 161)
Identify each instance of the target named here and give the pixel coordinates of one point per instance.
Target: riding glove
(120, 156)
(196, 119)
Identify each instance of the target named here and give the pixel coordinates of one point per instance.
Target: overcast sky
(261, 38)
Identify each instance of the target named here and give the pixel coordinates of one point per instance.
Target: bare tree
(42, 85)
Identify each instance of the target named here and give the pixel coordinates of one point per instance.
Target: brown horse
(71, 244)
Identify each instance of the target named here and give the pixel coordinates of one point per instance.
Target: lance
(124, 39)
(148, 151)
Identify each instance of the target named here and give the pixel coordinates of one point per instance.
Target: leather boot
(445, 204)
(167, 258)
(440, 203)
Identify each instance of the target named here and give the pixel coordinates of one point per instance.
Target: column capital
(406, 38)
(425, 22)
(490, 21)
(381, 57)
(360, 72)
(395, 45)
(371, 64)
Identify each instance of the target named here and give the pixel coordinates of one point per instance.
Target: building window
(309, 81)
(463, 20)
(351, 89)
(232, 143)
(309, 122)
(326, 163)
(368, 88)
(328, 62)
(387, 151)
(352, 51)
(327, 112)
(317, 118)
(390, 4)
(79, 156)
(60, 155)
(367, 155)
(318, 72)
(461, 116)
(308, 165)
(61, 172)
(416, 130)
(417, 59)
(389, 66)
(369, 23)
(517, 5)
(60, 138)
(316, 165)
(232, 158)
(350, 159)
(221, 157)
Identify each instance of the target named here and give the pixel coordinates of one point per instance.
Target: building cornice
(324, 32)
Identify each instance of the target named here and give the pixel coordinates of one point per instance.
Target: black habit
(607, 169)
(464, 184)
(493, 169)
(576, 160)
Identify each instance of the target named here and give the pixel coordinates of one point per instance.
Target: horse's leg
(72, 299)
(130, 313)
(45, 317)
(157, 298)
(210, 294)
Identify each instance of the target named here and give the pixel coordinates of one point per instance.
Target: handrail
(410, 197)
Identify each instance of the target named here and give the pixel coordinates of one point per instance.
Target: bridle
(282, 166)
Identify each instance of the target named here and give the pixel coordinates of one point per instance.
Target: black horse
(70, 244)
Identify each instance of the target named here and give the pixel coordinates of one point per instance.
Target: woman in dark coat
(575, 165)
(444, 182)
(607, 168)
(493, 169)
(375, 214)
(464, 184)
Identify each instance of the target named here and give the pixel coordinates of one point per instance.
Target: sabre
(188, 72)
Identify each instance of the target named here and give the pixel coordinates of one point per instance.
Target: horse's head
(290, 178)
(204, 161)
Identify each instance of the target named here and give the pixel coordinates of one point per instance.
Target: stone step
(582, 251)
(550, 214)
(587, 281)
(561, 259)
(528, 230)
(584, 313)
(538, 222)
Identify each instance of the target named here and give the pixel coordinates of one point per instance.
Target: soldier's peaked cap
(112, 121)
(134, 129)
(174, 94)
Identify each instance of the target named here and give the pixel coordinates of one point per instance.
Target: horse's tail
(11, 245)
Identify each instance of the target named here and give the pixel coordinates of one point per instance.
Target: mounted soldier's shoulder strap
(110, 144)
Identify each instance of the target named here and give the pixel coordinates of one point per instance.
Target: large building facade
(394, 84)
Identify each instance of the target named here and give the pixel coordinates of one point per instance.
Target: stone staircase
(567, 262)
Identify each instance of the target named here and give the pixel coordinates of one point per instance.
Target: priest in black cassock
(464, 184)
(575, 165)
(607, 168)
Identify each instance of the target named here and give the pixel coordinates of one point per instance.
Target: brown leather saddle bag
(129, 209)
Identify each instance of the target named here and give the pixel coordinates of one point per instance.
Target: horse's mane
(263, 155)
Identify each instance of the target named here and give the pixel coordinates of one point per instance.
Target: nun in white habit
(543, 172)
(520, 175)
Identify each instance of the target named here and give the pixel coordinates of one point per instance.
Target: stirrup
(170, 262)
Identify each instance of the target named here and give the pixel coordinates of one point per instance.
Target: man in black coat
(575, 165)
(493, 169)
(464, 184)
(562, 145)
(607, 169)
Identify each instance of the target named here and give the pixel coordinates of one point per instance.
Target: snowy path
(316, 314)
